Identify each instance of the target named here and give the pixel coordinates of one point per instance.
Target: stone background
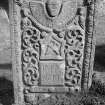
(5, 46)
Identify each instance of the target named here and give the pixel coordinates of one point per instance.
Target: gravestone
(52, 47)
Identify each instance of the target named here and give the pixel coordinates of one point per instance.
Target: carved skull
(53, 7)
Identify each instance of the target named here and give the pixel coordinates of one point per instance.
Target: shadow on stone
(99, 64)
(6, 92)
(6, 66)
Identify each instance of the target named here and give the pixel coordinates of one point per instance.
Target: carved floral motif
(74, 55)
(52, 41)
(30, 52)
(35, 42)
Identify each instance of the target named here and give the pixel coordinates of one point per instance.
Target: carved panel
(30, 52)
(74, 55)
(52, 35)
(52, 73)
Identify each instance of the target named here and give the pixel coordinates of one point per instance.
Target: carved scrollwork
(74, 37)
(53, 47)
(74, 54)
(30, 49)
(73, 58)
(19, 2)
(31, 76)
(73, 76)
(74, 50)
(30, 55)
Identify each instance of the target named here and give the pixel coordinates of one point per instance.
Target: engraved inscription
(52, 73)
(54, 49)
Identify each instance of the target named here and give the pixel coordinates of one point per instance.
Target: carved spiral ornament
(74, 55)
(30, 53)
(53, 47)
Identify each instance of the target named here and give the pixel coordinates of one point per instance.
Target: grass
(95, 95)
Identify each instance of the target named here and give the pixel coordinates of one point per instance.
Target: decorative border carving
(74, 37)
(89, 49)
(86, 71)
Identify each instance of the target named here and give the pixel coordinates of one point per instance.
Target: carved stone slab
(52, 73)
(53, 47)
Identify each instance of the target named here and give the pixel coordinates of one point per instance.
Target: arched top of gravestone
(53, 13)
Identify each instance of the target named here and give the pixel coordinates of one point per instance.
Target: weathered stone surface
(49, 37)
(52, 73)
